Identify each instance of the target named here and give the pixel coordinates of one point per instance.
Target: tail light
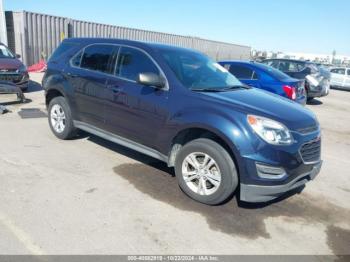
(290, 92)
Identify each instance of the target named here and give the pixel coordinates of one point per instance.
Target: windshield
(5, 52)
(197, 71)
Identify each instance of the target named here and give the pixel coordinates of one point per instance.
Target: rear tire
(60, 118)
(206, 172)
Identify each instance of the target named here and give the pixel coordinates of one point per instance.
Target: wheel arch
(191, 133)
(51, 94)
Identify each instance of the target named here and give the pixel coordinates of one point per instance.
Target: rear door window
(131, 62)
(241, 72)
(98, 57)
(348, 72)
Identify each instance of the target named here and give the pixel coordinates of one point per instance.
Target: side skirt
(121, 141)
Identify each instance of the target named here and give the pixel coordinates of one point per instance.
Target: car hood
(266, 104)
(10, 63)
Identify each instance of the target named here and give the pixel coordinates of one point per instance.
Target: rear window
(291, 66)
(275, 73)
(61, 49)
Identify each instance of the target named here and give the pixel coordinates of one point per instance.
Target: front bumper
(261, 193)
(19, 79)
(320, 90)
(267, 171)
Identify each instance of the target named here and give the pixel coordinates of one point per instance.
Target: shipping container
(35, 36)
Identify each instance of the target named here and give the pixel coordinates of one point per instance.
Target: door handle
(71, 75)
(115, 88)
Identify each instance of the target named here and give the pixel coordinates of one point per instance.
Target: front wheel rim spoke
(193, 161)
(210, 164)
(204, 186)
(199, 189)
(214, 182)
(191, 176)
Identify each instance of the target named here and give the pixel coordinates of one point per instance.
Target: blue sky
(312, 26)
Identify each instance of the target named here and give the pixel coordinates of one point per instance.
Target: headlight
(269, 130)
(22, 69)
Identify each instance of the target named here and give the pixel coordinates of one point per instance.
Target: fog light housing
(270, 172)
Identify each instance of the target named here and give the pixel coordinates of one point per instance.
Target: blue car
(267, 78)
(181, 107)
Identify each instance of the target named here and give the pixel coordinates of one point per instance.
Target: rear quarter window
(273, 72)
(62, 49)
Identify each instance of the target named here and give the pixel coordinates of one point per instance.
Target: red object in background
(39, 67)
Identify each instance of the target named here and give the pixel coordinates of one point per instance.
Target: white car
(340, 77)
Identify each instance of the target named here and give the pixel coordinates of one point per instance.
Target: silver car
(340, 77)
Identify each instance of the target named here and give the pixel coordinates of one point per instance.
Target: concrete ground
(89, 196)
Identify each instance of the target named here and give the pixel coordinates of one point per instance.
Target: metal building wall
(35, 36)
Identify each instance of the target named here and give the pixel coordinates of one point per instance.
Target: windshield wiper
(219, 89)
(235, 87)
(207, 89)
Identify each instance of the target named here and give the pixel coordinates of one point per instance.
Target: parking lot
(89, 196)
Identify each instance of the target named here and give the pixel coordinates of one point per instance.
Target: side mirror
(151, 79)
(18, 56)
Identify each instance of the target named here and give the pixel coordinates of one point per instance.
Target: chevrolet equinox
(179, 106)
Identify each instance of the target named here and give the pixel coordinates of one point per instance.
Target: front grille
(311, 151)
(11, 70)
(307, 130)
(10, 77)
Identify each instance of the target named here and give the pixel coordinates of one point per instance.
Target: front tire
(60, 118)
(206, 172)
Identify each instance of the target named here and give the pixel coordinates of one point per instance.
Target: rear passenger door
(245, 74)
(88, 76)
(135, 111)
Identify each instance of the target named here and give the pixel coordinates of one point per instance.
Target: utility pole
(3, 30)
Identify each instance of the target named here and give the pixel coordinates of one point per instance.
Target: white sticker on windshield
(222, 69)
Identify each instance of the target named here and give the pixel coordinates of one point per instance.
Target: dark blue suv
(181, 107)
(267, 78)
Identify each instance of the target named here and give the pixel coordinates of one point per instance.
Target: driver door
(135, 111)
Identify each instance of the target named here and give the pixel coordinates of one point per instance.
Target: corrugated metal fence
(35, 36)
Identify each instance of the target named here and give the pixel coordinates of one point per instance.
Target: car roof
(340, 67)
(249, 63)
(260, 66)
(289, 60)
(140, 44)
